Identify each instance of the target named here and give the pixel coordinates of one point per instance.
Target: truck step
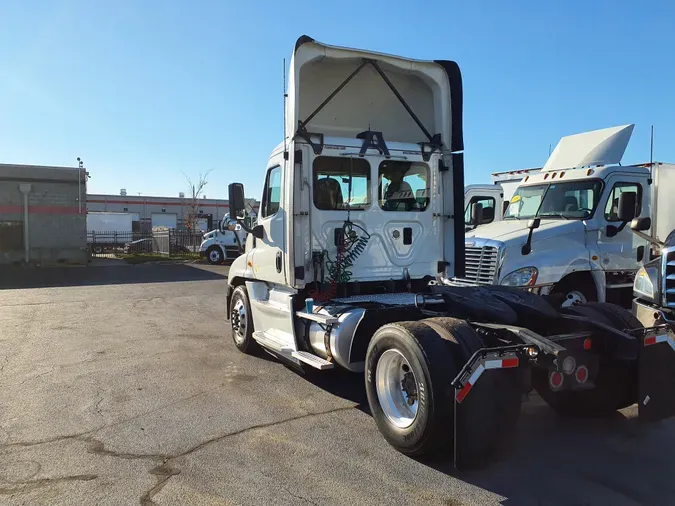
(317, 317)
(313, 360)
(268, 340)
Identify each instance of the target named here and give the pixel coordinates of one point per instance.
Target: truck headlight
(525, 276)
(645, 281)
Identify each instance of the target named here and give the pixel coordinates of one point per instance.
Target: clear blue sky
(146, 90)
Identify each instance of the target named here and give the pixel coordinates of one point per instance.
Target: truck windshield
(575, 200)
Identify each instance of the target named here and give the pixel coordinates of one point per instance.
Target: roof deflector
(597, 147)
(344, 92)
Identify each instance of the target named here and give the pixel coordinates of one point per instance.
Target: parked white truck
(226, 242)
(581, 248)
(361, 222)
(107, 230)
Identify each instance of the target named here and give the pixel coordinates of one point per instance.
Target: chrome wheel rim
(573, 298)
(214, 256)
(396, 388)
(239, 321)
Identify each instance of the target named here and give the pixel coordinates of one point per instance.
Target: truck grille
(669, 276)
(482, 264)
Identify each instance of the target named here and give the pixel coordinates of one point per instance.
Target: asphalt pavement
(121, 385)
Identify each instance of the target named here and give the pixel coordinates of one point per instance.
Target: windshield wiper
(560, 215)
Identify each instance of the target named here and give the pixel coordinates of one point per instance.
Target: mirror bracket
(258, 231)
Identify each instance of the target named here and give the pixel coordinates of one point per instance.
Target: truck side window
(488, 204)
(272, 193)
(612, 207)
(403, 186)
(335, 177)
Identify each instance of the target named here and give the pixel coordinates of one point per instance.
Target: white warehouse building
(148, 212)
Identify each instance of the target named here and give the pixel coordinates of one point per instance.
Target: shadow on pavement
(560, 461)
(551, 460)
(42, 277)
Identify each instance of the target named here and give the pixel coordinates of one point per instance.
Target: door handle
(278, 261)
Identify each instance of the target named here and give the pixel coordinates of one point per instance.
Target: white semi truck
(578, 246)
(361, 226)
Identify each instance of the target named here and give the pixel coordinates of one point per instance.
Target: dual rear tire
(409, 370)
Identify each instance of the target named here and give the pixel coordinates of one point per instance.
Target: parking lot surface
(121, 385)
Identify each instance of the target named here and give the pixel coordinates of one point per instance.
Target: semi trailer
(355, 257)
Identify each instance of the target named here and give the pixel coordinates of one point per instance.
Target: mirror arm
(243, 226)
(649, 238)
(527, 247)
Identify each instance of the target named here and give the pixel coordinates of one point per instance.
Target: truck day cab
(491, 199)
(361, 227)
(581, 249)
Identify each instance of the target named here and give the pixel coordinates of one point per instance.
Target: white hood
(366, 102)
(515, 230)
(597, 147)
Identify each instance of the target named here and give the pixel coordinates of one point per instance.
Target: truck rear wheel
(409, 368)
(408, 374)
(214, 255)
(241, 322)
(616, 382)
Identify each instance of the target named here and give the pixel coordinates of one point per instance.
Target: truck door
(619, 252)
(491, 208)
(268, 261)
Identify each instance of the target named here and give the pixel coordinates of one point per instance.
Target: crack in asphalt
(51, 370)
(298, 496)
(23, 444)
(25, 486)
(147, 499)
(163, 471)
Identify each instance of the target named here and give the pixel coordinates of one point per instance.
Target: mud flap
(656, 398)
(488, 394)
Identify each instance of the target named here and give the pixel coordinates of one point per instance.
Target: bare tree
(195, 192)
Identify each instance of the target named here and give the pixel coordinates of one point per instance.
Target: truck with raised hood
(359, 234)
(564, 231)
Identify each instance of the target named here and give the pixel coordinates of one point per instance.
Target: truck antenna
(651, 150)
(285, 96)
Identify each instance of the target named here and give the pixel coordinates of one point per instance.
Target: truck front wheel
(241, 321)
(214, 255)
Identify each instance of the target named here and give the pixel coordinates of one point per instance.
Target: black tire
(214, 255)
(242, 337)
(433, 364)
(567, 287)
(436, 349)
(616, 383)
